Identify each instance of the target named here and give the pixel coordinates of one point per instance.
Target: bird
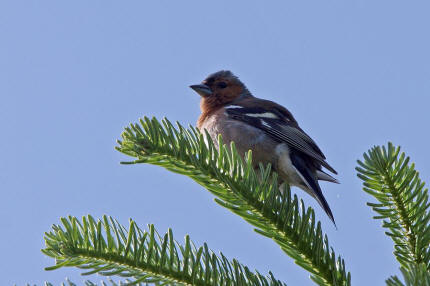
(266, 128)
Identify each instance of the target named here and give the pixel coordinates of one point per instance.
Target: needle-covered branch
(403, 203)
(414, 275)
(90, 283)
(107, 248)
(253, 195)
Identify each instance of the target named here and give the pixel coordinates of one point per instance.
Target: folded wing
(280, 125)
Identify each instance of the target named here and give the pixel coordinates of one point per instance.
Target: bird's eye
(222, 85)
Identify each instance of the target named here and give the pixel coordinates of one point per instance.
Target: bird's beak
(202, 89)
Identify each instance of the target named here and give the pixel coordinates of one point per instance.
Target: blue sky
(73, 74)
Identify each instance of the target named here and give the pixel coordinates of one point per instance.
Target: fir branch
(403, 202)
(252, 195)
(107, 248)
(413, 275)
(110, 282)
(90, 283)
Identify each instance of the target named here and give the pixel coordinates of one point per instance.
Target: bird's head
(219, 89)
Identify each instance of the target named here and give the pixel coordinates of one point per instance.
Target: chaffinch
(266, 128)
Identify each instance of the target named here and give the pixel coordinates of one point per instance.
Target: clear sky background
(74, 73)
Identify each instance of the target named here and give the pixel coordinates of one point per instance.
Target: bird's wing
(278, 122)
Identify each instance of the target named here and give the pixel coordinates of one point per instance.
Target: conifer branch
(252, 195)
(403, 203)
(107, 248)
(90, 283)
(414, 275)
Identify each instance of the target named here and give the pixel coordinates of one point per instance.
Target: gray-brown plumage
(266, 128)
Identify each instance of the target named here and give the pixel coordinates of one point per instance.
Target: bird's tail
(311, 181)
(321, 175)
